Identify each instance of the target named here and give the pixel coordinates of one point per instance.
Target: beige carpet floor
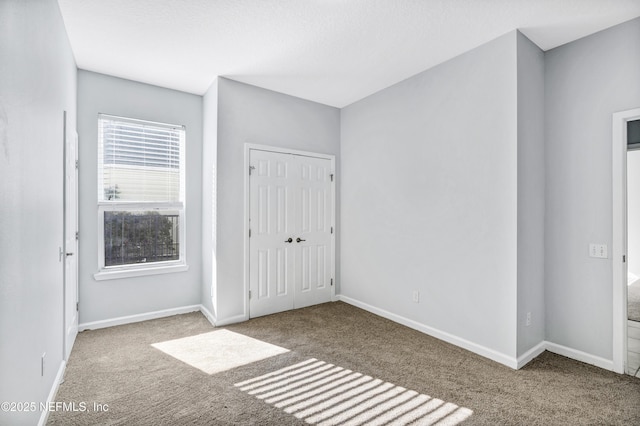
(327, 364)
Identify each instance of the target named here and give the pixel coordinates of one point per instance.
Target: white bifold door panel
(290, 222)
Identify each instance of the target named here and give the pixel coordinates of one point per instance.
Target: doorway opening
(625, 239)
(633, 247)
(290, 229)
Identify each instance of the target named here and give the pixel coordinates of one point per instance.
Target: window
(633, 134)
(140, 197)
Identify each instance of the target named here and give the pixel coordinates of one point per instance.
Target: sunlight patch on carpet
(324, 394)
(218, 350)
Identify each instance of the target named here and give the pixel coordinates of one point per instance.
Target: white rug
(219, 350)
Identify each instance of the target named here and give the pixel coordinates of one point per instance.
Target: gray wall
(248, 114)
(429, 197)
(530, 194)
(37, 83)
(103, 300)
(585, 82)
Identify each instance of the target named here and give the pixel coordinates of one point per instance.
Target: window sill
(114, 274)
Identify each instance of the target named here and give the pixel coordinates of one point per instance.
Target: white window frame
(151, 268)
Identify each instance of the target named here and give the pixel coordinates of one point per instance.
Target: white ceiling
(330, 51)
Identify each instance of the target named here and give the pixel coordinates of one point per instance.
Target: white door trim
(619, 235)
(248, 147)
(70, 314)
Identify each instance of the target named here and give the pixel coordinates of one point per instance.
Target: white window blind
(139, 161)
(140, 197)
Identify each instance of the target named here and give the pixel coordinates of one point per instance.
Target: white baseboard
(450, 338)
(224, 321)
(138, 317)
(161, 314)
(208, 315)
(44, 416)
(439, 334)
(528, 356)
(607, 364)
(231, 320)
(518, 363)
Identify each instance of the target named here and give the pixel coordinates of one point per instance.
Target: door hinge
(77, 306)
(77, 235)
(76, 164)
(250, 169)
(624, 258)
(332, 229)
(331, 177)
(331, 282)
(249, 232)
(249, 294)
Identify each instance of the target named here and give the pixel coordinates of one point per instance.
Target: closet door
(290, 251)
(313, 207)
(271, 248)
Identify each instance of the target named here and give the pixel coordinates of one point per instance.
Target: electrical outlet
(598, 250)
(44, 354)
(416, 296)
(528, 319)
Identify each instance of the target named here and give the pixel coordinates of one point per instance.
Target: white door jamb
(619, 235)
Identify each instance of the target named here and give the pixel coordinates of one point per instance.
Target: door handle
(290, 240)
(69, 254)
(298, 240)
